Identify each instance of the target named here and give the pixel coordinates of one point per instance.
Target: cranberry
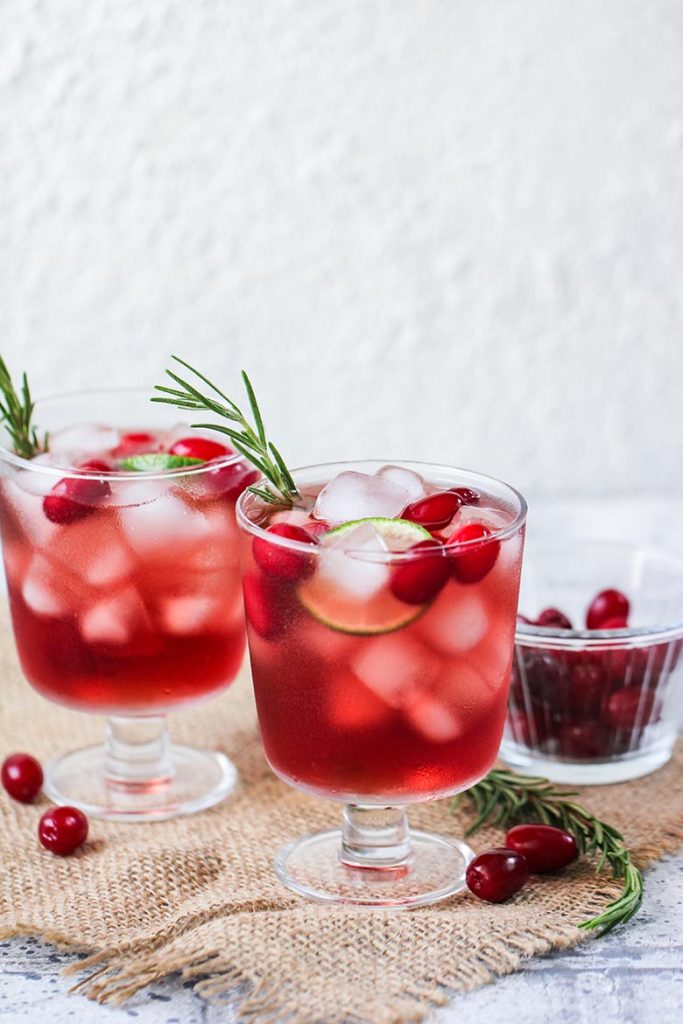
(264, 606)
(22, 777)
(586, 682)
(583, 740)
(230, 480)
(433, 512)
(135, 444)
(281, 562)
(547, 678)
(544, 847)
(466, 494)
(608, 604)
(95, 466)
(553, 617)
(627, 706)
(497, 874)
(63, 829)
(529, 730)
(522, 620)
(73, 498)
(475, 561)
(200, 448)
(419, 579)
(617, 622)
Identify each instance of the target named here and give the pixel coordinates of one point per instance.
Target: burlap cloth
(198, 895)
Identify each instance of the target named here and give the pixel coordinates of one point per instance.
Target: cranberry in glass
(618, 622)
(200, 448)
(553, 617)
(628, 706)
(583, 740)
(264, 605)
(420, 578)
(466, 494)
(529, 729)
(73, 498)
(544, 847)
(547, 678)
(475, 561)
(608, 604)
(280, 562)
(135, 444)
(433, 512)
(586, 682)
(62, 830)
(497, 874)
(22, 777)
(230, 480)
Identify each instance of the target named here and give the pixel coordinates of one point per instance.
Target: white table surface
(632, 976)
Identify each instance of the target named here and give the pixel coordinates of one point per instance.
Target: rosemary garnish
(504, 799)
(16, 411)
(250, 441)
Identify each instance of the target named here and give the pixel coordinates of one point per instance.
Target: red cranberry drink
(121, 557)
(381, 643)
(380, 602)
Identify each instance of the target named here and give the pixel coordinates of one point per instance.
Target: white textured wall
(446, 230)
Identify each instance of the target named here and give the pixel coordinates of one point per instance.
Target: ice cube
(351, 495)
(396, 667)
(430, 717)
(351, 705)
(134, 492)
(165, 525)
(494, 518)
(84, 439)
(109, 564)
(43, 591)
(456, 622)
(15, 557)
(188, 613)
(28, 508)
(37, 481)
(411, 481)
(116, 619)
(348, 563)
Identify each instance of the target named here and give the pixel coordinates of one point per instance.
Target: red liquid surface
(136, 607)
(402, 716)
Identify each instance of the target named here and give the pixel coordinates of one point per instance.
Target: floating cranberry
(628, 706)
(200, 448)
(228, 481)
(73, 498)
(22, 777)
(544, 847)
(466, 494)
(96, 466)
(474, 561)
(553, 617)
(433, 512)
(264, 606)
(608, 604)
(419, 579)
(62, 830)
(281, 562)
(497, 874)
(135, 444)
(583, 740)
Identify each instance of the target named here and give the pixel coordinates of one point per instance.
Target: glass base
(196, 779)
(585, 773)
(435, 869)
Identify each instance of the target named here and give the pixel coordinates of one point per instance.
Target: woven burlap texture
(198, 895)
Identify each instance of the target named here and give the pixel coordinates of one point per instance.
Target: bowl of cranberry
(596, 694)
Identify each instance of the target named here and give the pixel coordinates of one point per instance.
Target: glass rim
(529, 635)
(67, 472)
(503, 533)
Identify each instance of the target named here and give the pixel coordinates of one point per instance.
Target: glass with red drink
(121, 556)
(380, 615)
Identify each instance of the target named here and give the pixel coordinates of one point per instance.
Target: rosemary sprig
(16, 411)
(504, 799)
(250, 441)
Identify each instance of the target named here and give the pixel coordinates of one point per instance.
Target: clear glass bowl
(596, 706)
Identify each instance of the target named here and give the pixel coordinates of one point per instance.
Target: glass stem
(137, 753)
(376, 837)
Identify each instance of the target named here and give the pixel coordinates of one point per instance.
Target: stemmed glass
(373, 702)
(126, 602)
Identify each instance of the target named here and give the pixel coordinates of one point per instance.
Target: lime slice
(157, 461)
(349, 591)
